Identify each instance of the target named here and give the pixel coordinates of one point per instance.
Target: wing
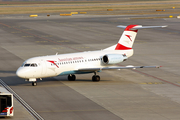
(115, 67)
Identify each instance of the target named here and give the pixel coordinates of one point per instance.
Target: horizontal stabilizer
(141, 27)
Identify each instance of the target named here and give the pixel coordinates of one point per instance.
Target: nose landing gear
(34, 83)
(33, 80)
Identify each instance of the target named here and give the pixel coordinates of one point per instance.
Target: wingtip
(158, 66)
(164, 26)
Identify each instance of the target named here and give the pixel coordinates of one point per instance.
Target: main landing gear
(95, 78)
(71, 77)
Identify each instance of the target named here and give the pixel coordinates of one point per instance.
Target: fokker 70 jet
(83, 62)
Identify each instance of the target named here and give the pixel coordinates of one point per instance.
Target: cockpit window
(26, 65)
(33, 65)
(22, 65)
(30, 65)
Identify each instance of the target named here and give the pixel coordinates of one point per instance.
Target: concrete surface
(144, 94)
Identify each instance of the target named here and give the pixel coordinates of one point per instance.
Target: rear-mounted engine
(113, 58)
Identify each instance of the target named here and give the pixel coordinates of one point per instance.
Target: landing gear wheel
(95, 78)
(34, 83)
(71, 77)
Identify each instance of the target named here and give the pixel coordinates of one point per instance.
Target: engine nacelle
(113, 58)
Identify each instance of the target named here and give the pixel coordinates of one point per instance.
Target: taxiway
(126, 94)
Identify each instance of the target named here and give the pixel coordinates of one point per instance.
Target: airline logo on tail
(129, 36)
(127, 39)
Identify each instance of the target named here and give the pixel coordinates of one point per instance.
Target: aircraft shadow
(16, 81)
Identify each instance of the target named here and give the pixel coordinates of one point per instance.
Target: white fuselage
(65, 64)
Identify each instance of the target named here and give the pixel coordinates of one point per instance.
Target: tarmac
(141, 94)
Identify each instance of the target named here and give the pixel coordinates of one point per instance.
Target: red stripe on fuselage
(122, 47)
(53, 63)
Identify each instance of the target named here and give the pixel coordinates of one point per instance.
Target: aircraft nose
(20, 73)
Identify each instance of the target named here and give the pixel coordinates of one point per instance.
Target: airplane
(83, 62)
